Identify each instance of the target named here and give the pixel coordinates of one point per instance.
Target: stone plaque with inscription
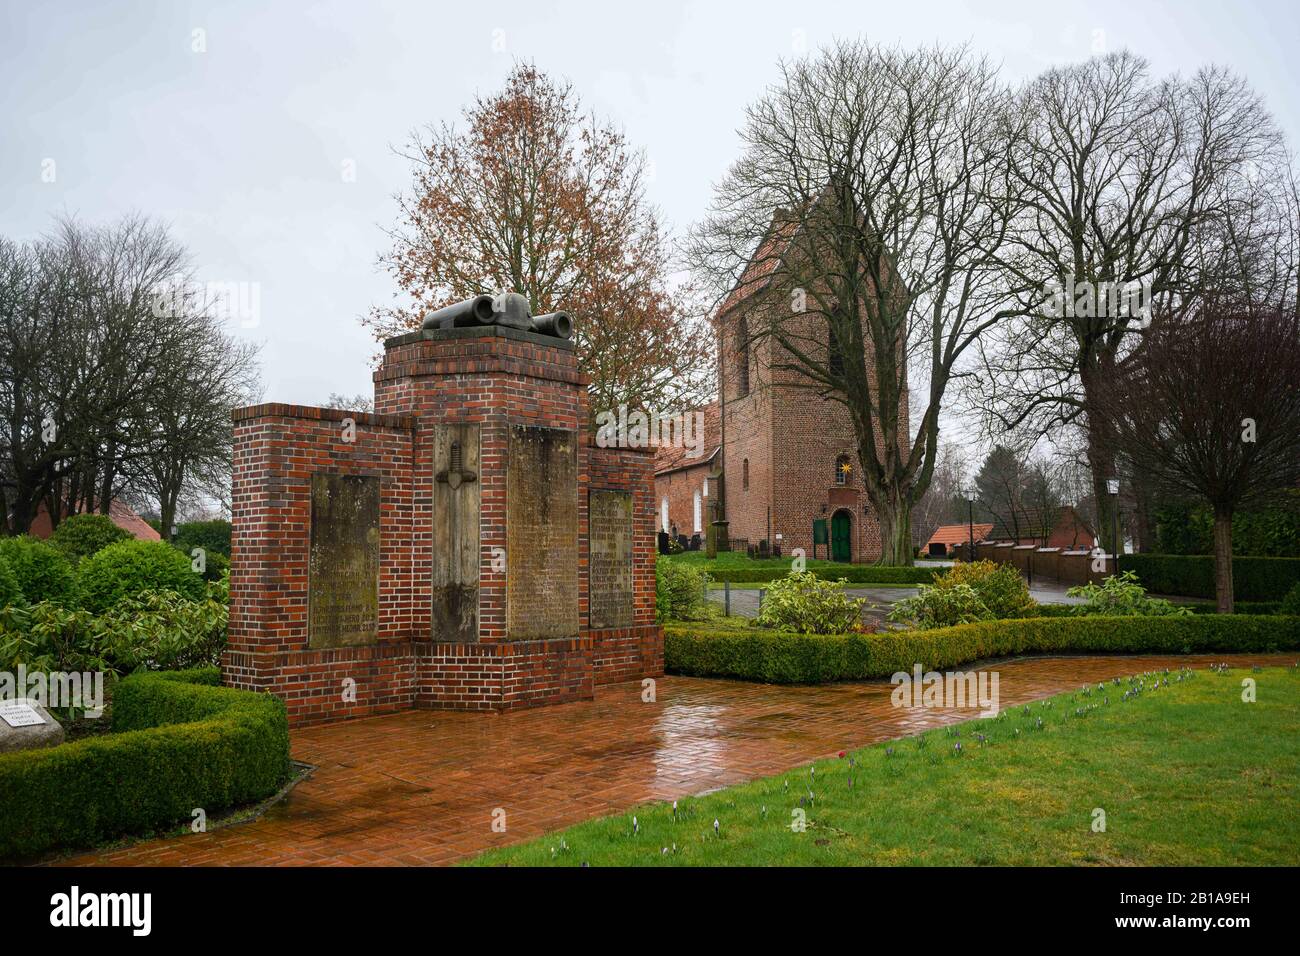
(541, 534)
(455, 532)
(343, 569)
(610, 566)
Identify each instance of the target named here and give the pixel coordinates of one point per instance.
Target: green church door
(841, 548)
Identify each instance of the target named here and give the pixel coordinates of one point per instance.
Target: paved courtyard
(420, 787)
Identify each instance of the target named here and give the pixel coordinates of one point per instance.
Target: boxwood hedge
(750, 653)
(179, 743)
(1238, 607)
(1192, 575)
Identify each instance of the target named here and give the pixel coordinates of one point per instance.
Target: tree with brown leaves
(536, 197)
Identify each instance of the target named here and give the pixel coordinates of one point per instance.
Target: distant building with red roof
(121, 514)
(950, 537)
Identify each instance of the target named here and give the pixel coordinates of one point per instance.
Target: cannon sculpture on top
(510, 311)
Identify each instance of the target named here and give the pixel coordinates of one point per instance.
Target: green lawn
(1187, 775)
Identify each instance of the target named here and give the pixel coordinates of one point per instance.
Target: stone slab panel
(343, 566)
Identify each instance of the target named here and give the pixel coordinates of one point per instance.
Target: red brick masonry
(496, 378)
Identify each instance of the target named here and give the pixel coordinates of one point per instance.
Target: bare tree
(187, 447)
(1208, 405)
(356, 403)
(1139, 195)
(872, 197)
(100, 392)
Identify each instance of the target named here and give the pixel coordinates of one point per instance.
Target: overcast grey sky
(242, 147)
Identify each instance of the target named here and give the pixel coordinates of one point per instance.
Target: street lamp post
(970, 517)
(1112, 486)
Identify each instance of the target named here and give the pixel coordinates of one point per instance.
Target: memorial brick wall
(423, 494)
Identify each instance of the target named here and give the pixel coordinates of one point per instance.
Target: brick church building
(785, 456)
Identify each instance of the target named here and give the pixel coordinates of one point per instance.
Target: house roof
(951, 534)
(1035, 523)
(676, 457)
(125, 518)
(119, 513)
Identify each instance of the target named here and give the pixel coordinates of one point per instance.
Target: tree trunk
(1223, 560)
(24, 512)
(1145, 526)
(895, 517)
(1101, 462)
(167, 513)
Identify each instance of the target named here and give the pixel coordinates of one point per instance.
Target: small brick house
(786, 456)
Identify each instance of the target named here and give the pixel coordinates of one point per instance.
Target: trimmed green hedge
(774, 657)
(853, 573)
(1238, 607)
(1192, 575)
(211, 536)
(179, 743)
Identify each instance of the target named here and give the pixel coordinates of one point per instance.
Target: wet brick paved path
(420, 787)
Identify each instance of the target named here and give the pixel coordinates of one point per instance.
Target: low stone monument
(464, 546)
(26, 725)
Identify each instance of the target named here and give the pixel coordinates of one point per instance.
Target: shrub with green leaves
(1291, 603)
(48, 637)
(130, 568)
(80, 536)
(212, 536)
(936, 607)
(679, 592)
(802, 603)
(215, 565)
(10, 591)
(1120, 596)
(160, 630)
(43, 573)
(1000, 587)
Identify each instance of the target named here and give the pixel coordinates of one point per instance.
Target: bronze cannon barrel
(475, 311)
(558, 324)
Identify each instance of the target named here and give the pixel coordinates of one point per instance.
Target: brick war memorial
(466, 546)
